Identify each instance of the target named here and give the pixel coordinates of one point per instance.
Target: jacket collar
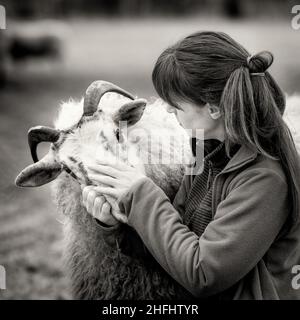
(242, 156)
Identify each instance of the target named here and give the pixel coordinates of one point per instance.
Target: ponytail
(252, 105)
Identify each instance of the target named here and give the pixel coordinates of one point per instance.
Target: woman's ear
(214, 111)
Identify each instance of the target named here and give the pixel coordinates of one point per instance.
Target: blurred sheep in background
(36, 43)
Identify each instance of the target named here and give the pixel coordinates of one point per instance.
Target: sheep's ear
(38, 174)
(131, 112)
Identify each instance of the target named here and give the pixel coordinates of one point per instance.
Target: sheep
(83, 132)
(3, 59)
(36, 40)
(46, 46)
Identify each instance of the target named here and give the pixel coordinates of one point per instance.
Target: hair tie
(260, 74)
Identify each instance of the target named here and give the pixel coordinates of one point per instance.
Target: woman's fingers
(98, 203)
(98, 206)
(90, 193)
(106, 216)
(109, 181)
(116, 165)
(119, 216)
(107, 190)
(105, 169)
(85, 192)
(105, 210)
(90, 201)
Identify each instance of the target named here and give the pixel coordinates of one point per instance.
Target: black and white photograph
(149, 151)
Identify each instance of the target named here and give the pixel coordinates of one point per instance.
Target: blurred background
(52, 50)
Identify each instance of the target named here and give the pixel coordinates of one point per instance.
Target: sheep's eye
(119, 135)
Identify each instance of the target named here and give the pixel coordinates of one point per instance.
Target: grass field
(121, 51)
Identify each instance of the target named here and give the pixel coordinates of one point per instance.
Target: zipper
(210, 169)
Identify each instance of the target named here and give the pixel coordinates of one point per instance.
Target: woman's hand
(117, 177)
(97, 205)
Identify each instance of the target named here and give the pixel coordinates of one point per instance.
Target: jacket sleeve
(244, 227)
(116, 235)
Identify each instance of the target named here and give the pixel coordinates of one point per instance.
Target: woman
(232, 231)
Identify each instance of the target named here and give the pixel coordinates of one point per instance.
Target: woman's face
(193, 117)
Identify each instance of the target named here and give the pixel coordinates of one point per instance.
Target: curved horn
(40, 134)
(94, 93)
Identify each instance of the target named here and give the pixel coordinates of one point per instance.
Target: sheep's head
(94, 135)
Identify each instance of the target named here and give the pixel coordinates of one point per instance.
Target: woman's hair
(210, 67)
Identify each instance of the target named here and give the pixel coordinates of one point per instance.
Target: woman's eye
(172, 109)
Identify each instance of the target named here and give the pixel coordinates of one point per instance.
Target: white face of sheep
(96, 135)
